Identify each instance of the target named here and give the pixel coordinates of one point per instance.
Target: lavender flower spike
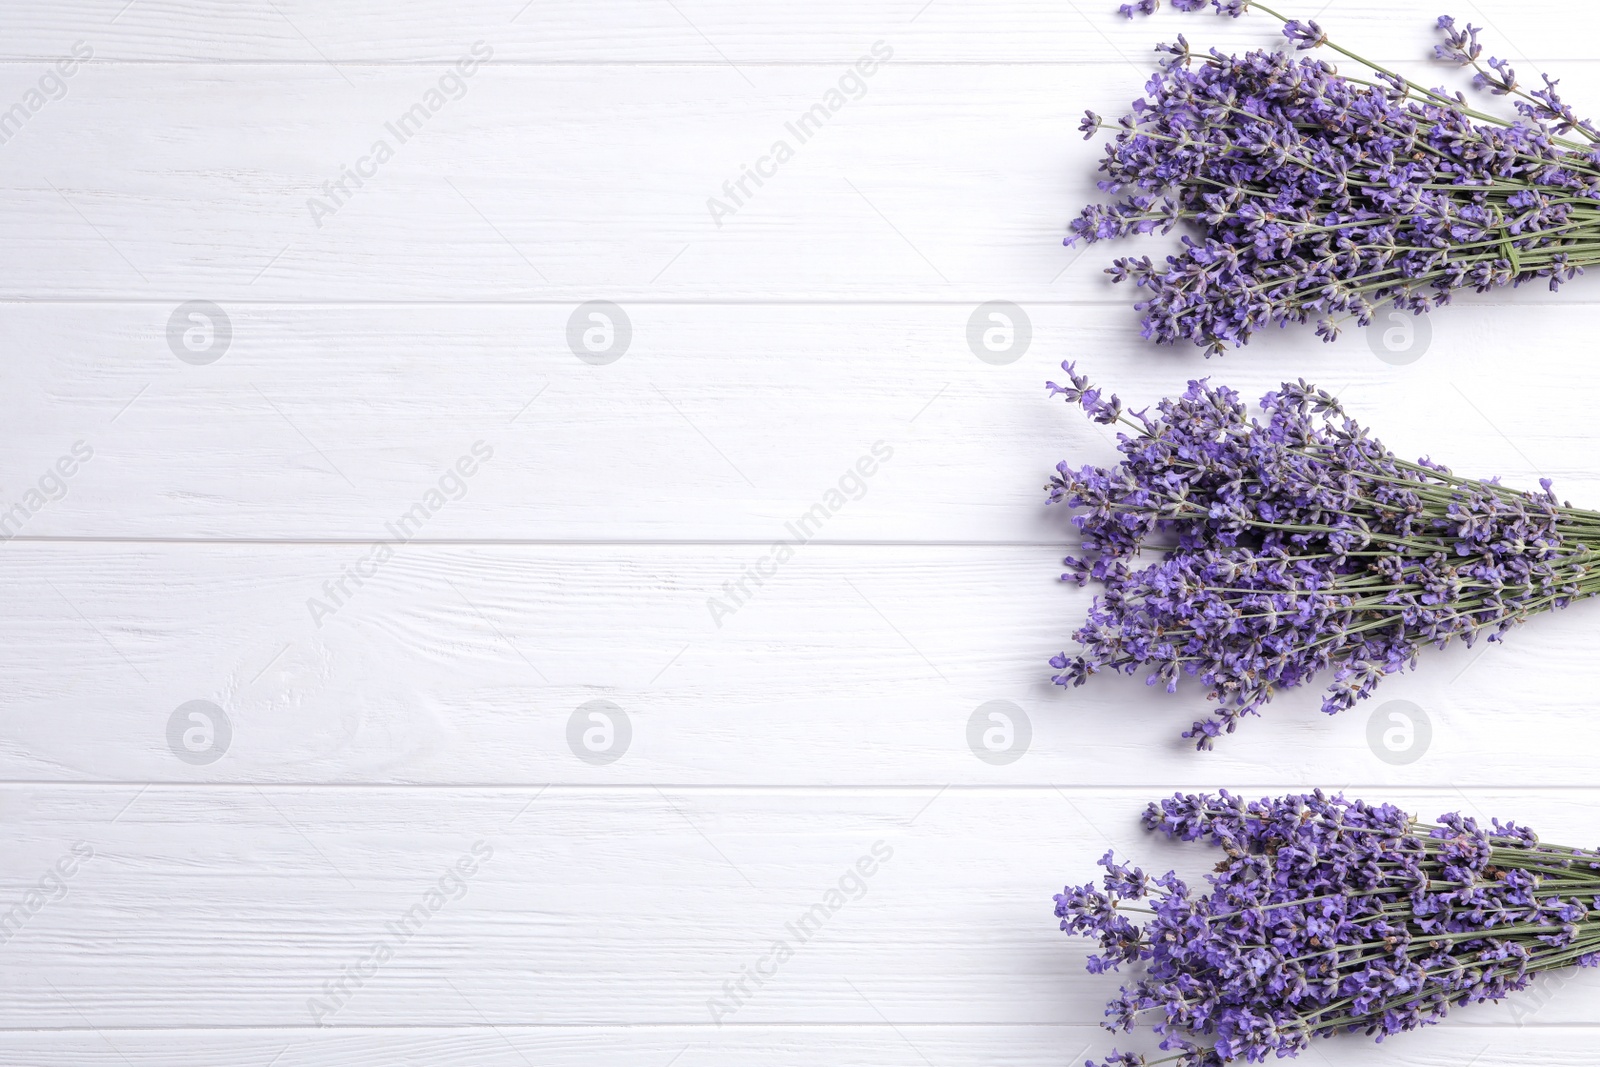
(1310, 196)
(1329, 916)
(1302, 547)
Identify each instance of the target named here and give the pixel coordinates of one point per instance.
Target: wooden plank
(612, 207)
(562, 184)
(850, 665)
(867, 1045)
(722, 31)
(721, 422)
(515, 907)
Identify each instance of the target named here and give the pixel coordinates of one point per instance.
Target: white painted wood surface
(380, 732)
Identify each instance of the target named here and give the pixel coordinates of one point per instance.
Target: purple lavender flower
(1461, 46)
(1316, 198)
(1148, 7)
(1299, 547)
(1329, 916)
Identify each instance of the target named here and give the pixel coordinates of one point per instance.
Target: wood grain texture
(949, 183)
(851, 665)
(723, 31)
(596, 906)
(903, 1045)
(721, 422)
(562, 184)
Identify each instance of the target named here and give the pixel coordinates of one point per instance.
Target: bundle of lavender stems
(1293, 544)
(1315, 195)
(1329, 916)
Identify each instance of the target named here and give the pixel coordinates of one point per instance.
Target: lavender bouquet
(1329, 916)
(1293, 544)
(1320, 196)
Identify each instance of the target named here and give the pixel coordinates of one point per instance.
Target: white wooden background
(828, 714)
